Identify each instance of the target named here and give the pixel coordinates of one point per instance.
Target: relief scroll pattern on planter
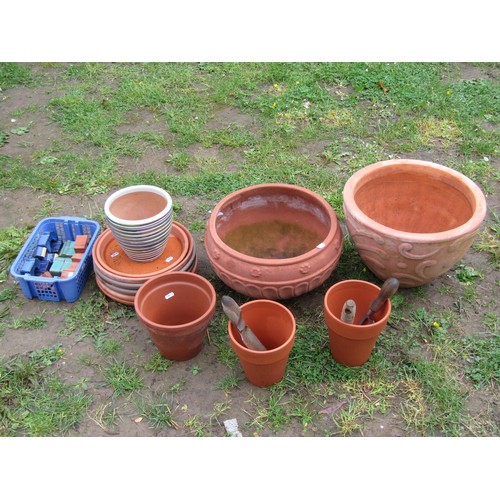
(412, 263)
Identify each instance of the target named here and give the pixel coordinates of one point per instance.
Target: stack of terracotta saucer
(119, 277)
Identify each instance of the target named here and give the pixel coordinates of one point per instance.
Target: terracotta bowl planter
(140, 218)
(352, 344)
(412, 219)
(273, 241)
(274, 325)
(176, 309)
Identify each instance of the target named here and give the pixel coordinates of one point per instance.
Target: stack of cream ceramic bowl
(120, 277)
(140, 218)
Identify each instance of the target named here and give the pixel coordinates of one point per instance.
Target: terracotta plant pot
(274, 325)
(176, 309)
(273, 241)
(140, 218)
(412, 219)
(352, 344)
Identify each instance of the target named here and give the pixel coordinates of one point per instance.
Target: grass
(35, 402)
(201, 131)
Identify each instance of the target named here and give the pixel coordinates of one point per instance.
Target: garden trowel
(233, 312)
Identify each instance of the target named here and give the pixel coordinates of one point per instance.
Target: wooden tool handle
(389, 288)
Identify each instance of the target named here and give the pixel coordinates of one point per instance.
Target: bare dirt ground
(198, 376)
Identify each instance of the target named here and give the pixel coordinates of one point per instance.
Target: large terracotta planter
(273, 241)
(176, 309)
(412, 219)
(274, 325)
(352, 344)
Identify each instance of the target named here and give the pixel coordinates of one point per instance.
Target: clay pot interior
(270, 324)
(137, 205)
(275, 326)
(273, 225)
(362, 292)
(176, 309)
(352, 344)
(415, 200)
(181, 304)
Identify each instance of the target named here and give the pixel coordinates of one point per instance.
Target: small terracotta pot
(274, 325)
(412, 219)
(352, 344)
(140, 218)
(176, 309)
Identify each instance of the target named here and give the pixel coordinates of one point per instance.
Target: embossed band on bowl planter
(412, 219)
(273, 241)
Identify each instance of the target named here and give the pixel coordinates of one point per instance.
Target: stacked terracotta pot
(125, 259)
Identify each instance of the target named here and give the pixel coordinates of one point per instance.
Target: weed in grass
(180, 161)
(34, 323)
(47, 355)
(122, 378)
(442, 394)
(11, 241)
(271, 411)
(489, 240)
(35, 404)
(347, 420)
(197, 226)
(47, 208)
(482, 356)
(158, 413)
(492, 322)
(302, 410)
(106, 417)
(228, 383)
(13, 74)
(8, 293)
(219, 409)
(157, 363)
(177, 387)
(195, 369)
(195, 427)
(467, 275)
(87, 317)
(106, 346)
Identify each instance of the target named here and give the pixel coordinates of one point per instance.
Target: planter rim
(360, 328)
(184, 277)
(238, 194)
(352, 185)
(136, 189)
(269, 352)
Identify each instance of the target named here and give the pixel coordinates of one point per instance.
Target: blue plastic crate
(56, 289)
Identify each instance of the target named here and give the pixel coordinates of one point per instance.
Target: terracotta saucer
(124, 299)
(111, 257)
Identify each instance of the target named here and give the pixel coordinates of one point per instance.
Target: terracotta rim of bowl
(355, 182)
(292, 188)
(135, 189)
